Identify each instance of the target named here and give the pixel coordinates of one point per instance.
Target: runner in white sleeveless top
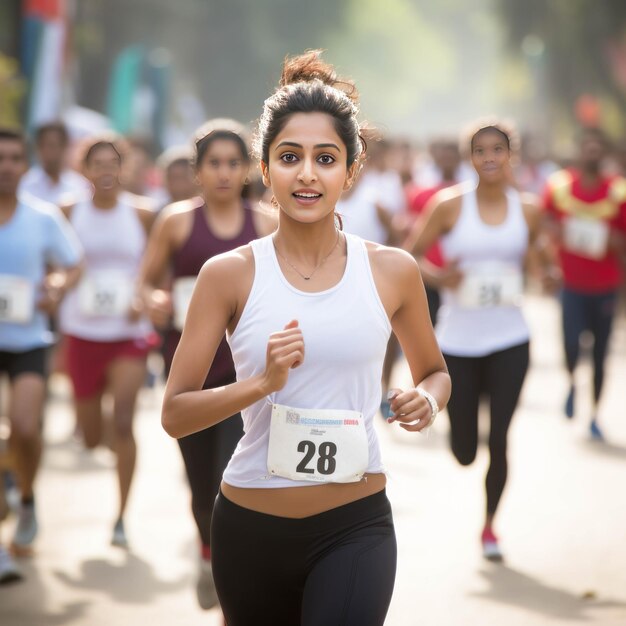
(485, 232)
(107, 337)
(302, 531)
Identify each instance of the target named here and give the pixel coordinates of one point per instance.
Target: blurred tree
(580, 48)
(12, 91)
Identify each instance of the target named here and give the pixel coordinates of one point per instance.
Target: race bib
(585, 237)
(182, 291)
(318, 445)
(105, 294)
(489, 285)
(17, 299)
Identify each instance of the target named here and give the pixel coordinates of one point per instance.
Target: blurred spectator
(447, 160)
(369, 207)
(50, 179)
(429, 174)
(140, 175)
(535, 167)
(179, 181)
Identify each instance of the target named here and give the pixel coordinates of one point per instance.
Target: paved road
(562, 520)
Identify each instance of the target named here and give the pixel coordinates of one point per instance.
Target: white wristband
(434, 407)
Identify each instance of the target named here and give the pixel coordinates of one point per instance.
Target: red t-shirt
(566, 199)
(417, 201)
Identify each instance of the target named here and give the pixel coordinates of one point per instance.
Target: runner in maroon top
(587, 211)
(186, 235)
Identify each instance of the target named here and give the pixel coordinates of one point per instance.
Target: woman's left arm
(401, 289)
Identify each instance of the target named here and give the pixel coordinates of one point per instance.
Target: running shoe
(595, 431)
(119, 538)
(13, 496)
(205, 586)
(491, 549)
(569, 403)
(27, 526)
(9, 571)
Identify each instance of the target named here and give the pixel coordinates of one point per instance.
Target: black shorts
(29, 362)
(336, 568)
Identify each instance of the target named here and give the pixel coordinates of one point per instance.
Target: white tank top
(478, 330)
(114, 241)
(345, 330)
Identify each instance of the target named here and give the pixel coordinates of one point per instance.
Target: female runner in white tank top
(107, 339)
(485, 233)
(302, 530)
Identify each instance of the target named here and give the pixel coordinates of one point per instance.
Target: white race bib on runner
(491, 284)
(586, 237)
(106, 293)
(318, 445)
(17, 299)
(182, 291)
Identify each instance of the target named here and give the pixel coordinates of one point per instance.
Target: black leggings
(206, 455)
(334, 568)
(594, 313)
(500, 376)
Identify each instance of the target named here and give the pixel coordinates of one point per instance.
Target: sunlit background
(154, 70)
(157, 67)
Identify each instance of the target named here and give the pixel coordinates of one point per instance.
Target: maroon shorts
(87, 361)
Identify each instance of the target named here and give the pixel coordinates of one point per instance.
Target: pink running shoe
(491, 550)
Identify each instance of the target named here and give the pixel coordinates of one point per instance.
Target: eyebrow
(316, 146)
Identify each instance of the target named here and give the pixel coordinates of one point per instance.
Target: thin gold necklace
(315, 268)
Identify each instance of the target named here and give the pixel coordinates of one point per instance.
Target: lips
(306, 196)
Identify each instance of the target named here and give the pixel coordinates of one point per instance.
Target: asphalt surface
(562, 520)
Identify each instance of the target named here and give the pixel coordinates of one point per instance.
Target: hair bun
(308, 67)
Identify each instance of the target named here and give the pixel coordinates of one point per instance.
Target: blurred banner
(43, 58)
(138, 93)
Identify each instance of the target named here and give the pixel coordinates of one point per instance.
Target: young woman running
(185, 236)
(107, 339)
(302, 530)
(484, 234)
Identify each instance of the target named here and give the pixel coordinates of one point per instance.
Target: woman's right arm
(187, 408)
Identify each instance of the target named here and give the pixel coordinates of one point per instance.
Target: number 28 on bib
(318, 445)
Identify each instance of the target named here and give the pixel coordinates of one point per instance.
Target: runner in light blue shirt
(39, 262)
(36, 237)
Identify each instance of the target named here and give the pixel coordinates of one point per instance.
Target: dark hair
(503, 128)
(221, 128)
(52, 127)
(309, 85)
(104, 141)
(490, 129)
(11, 134)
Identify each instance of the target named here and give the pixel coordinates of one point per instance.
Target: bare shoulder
(530, 203)
(531, 208)
(179, 212)
(229, 269)
(445, 205)
(392, 263)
